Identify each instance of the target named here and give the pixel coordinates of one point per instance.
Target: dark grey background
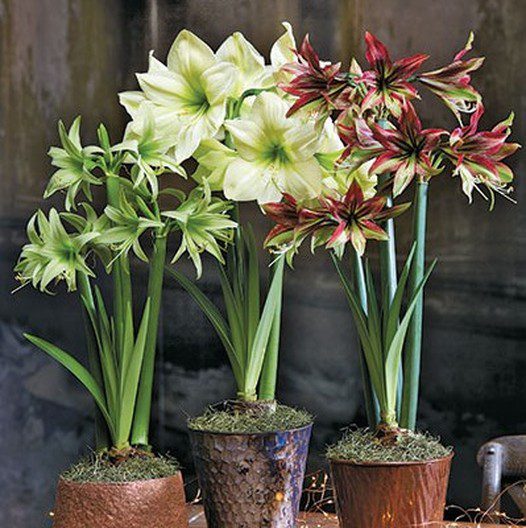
(60, 58)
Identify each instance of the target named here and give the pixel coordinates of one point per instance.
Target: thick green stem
(414, 334)
(389, 275)
(102, 434)
(372, 408)
(122, 288)
(141, 422)
(269, 373)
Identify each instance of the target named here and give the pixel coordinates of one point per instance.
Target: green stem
(141, 423)
(414, 334)
(102, 434)
(269, 373)
(372, 408)
(122, 290)
(389, 275)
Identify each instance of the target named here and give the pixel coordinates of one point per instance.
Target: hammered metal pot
(251, 480)
(155, 503)
(390, 495)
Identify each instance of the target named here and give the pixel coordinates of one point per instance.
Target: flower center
(277, 153)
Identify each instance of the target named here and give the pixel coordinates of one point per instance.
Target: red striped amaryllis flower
(478, 155)
(319, 86)
(452, 83)
(331, 221)
(389, 82)
(409, 151)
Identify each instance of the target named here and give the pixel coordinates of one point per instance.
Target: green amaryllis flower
(204, 224)
(147, 151)
(52, 253)
(74, 165)
(188, 95)
(128, 226)
(275, 154)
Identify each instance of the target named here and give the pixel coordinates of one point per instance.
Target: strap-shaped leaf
(79, 371)
(130, 382)
(393, 314)
(252, 287)
(259, 347)
(213, 315)
(372, 354)
(394, 353)
(233, 306)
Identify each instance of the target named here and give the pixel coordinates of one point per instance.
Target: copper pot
(251, 480)
(390, 494)
(155, 503)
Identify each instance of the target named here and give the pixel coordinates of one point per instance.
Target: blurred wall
(60, 58)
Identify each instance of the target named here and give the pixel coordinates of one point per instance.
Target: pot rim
(342, 461)
(178, 475)
(266, 433)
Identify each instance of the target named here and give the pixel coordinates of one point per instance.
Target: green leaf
(79, 371)
(252, 286)
(213, 315)
(394, 354)
(259, 347)
(130, 381)
(393, 314)
(234, 315)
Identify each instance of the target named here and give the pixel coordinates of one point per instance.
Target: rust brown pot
(155, 503)
(390, 494)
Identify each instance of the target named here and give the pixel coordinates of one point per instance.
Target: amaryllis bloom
(331, 221)
(273, 154)
(478, 155)
(389, 82)
(361, 145)
(408, 150)
(319, 86)
(187, 97)
(452, 82)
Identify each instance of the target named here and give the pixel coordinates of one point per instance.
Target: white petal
(189, 55)
(132, 101)
(248, 138)
(269, 112)
(245, 181)
(330, 140)
(172, 90)
(282, 50)
(249, 63)
(302, 180)
(218, 80)
(301, 140)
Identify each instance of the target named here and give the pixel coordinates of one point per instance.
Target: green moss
(361, 445)
(225, 421)
(99, 468)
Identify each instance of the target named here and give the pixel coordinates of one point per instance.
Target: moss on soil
(99, 468)
(229, 421)
(361, 445)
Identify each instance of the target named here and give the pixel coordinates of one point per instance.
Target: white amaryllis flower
(275, 154)
(188, 95)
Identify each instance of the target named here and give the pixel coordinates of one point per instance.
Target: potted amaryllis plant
(250, 452)
(114, 206)
(388, 474)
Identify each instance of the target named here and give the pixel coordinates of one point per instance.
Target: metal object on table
(251, 480)
(155, 503)
(390, 494)
(502, 458)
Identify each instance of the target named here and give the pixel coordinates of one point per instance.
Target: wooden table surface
(197, 520)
